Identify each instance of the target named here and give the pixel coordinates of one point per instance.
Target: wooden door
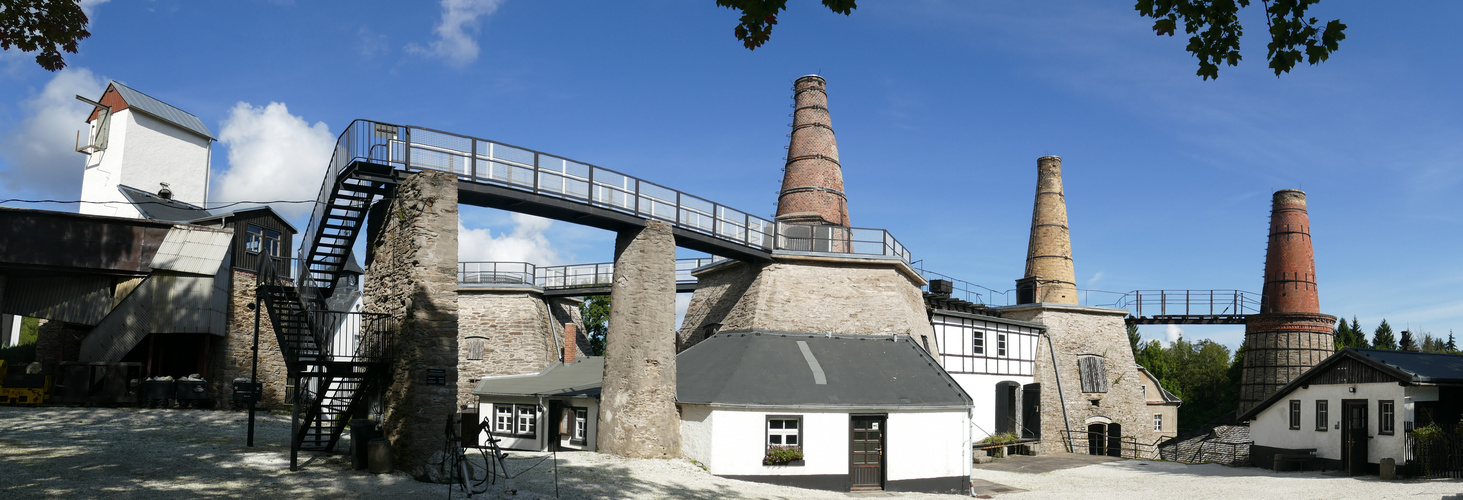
(866, 456)
(1354, 436)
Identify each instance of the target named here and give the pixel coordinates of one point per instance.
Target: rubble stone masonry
(509, 331)
(233, 354)
(637, 412)
(413, 277)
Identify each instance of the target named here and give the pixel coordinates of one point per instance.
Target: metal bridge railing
(559, 277)
(1190, 303)
(490, 162)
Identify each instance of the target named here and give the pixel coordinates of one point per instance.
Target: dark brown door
(1354, 436)
(866, 468)
(1096, 439)
(1114, 440)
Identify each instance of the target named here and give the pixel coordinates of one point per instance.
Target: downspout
(1066, 421)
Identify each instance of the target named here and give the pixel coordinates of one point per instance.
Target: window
(475, 348)
(503, 419)
(258, 239)
(527, 421)
(1387, 423)
(1000, 344)
(1322, 414)
(581, 425)
(978, 342)
(1093, 372)
(785, 431)
(1144, 389)
(1158, 423)
(1295, 414)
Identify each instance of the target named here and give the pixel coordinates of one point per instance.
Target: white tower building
(143, 143)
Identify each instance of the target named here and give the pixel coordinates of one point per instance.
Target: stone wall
(509, 331)
(58, 341)
(1076, 331)
(1279, 347)
(413, 277)
(812, 294)
(637, 413)
(233, 353)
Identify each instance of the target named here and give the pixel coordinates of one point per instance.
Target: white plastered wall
(142, 152)
(538, 443)
(1272, 426)
(982, 390)
(918, 444)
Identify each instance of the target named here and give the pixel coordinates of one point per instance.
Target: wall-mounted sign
(436, 376)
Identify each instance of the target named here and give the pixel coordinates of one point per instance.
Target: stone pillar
(637, 412)
(1049, 275)
(413, 277)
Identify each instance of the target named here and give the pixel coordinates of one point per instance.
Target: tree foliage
(1200, 373)
(596, 314)
(1407, 343)
(1382, 338)
(1134, 338)
(1213, 27)
(47, 27)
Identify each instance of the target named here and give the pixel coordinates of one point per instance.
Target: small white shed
(863, 412)
(531, 412)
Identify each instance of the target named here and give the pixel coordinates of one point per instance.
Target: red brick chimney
(1289, 335)
(571, 346)
(812, 181)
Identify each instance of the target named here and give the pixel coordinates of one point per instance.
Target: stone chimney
(571, 346)
(1049, 275)
(1289, 335)
(812, 181)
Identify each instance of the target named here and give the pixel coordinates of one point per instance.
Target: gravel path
(140, 453)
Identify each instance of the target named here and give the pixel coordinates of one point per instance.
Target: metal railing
(1097, 443)
(353, 335)
(559, 277)
(1437, 456)
(839, 239)
(1189, 303)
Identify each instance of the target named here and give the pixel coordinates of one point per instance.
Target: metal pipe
(1066, 421)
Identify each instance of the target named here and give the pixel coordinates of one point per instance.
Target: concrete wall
(918, 444)
(814, 294)
(413, 277)
(142, 152)
(1271, 428)
(1080, 330)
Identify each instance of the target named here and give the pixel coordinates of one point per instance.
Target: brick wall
(812, 182)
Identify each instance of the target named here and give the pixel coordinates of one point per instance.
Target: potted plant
(783, 455)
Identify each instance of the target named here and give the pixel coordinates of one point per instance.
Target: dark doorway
(1354, 436)
(1005, 406)
(866, 445)
(556, 425)
(1114, 440)
(1096, 439)
(1031, 411)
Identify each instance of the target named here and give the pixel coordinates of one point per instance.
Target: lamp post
(254, 386)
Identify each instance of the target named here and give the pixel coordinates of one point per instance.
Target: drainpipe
(1066, 422)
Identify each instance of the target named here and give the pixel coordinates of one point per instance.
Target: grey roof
(219, 214)
(760, 368)
(581, 378)
(154, 207)
(161, 110)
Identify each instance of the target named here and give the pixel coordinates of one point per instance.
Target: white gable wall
(1272, 426)
(142, 152)
(918, 444)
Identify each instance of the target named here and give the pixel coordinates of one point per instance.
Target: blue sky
(940, 107)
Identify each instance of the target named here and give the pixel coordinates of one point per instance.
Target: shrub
(781, 455)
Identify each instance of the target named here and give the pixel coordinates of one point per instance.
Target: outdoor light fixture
(1351, 389)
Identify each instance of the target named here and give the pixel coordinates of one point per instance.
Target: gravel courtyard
(139, 453)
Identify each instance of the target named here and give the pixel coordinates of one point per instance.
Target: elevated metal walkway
(371, 158)
(574, 280)
(1145, 307)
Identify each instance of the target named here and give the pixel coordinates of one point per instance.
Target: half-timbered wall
(983, 345)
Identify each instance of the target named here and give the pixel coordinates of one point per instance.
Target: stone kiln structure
(812, 181)
(637, 412)
(1289, 335)
(1049, 276)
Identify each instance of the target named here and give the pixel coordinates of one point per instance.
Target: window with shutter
(1093, 373)
(475, 348)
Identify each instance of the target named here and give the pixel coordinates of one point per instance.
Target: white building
(136, 140)
(1357, 407)
(994, 360)
(531, 412)
(864, 412)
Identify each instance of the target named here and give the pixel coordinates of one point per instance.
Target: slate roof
(581, 378)
(784, 369)
(1406, 367)
(161, 110)
(155, 207)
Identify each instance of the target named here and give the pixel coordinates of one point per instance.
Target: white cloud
(90, 8)
(371, 43)
(683, 302)
(41, 151)
(1171, 334)
(526, 243)
(273, 155)
(456, 34)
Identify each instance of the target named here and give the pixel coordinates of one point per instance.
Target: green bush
(1000, 439)
(781, 455)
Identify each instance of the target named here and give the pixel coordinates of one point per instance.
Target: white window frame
(977, 342)
(782, 433)
(1295, 414)
(1323, 414)
(1158, 422)
(1001, 344)
(581, 425)
(503, 419)
(525, 420)
(1386, 417)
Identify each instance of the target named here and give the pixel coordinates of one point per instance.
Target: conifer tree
(1383, 338)
(1342, 335)
(1358, 334)
(1452, 346)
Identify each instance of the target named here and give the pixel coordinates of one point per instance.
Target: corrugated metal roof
(161, 110)
(760, 368)
(193, 250)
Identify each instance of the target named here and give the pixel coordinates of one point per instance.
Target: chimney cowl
(165, 193)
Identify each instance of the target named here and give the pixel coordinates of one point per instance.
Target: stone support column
(413, 277)
(637, 412)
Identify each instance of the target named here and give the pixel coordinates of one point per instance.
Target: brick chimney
(571, 345)
(1289, 335)
(1049, 275)
(812, 181)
